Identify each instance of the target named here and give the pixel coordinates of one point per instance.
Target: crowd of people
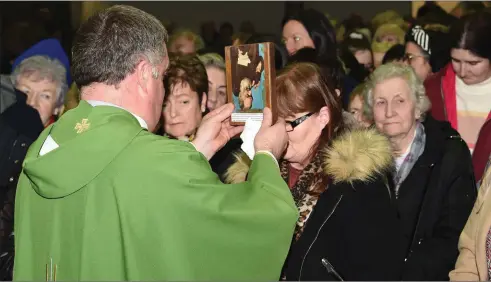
(121, 163)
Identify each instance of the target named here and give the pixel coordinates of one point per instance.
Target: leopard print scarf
(307, 189)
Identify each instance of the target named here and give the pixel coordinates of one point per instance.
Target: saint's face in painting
(245, 94)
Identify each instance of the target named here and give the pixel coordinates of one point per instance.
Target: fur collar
(356, 155)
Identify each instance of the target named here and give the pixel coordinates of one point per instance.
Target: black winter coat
(353, 232)
(20, 125)
(351, 235)
(434, 203)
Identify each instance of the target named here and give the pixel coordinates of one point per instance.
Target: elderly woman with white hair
(38, 85)
(43, 80)
(433, 176)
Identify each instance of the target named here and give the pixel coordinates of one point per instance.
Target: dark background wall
(25, 23)
(265, 15)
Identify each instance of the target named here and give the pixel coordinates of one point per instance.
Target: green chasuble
(115, 202)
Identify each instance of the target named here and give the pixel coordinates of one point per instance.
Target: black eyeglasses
(297, 122)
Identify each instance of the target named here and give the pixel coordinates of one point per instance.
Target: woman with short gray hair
(433, 175)
(43, 80)
(422, 103)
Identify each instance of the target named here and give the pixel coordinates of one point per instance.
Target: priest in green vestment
(102, 198)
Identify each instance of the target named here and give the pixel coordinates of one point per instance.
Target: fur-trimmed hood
(355, 155)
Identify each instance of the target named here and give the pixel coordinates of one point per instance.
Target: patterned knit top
(488, 252)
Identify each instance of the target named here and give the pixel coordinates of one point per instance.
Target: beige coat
(472, 263)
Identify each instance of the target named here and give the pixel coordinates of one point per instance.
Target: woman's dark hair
(320, 31)
(469, 7)
(354, 22)
(331, 69)
(472, 33)
(353, 67)
(356, 41)
(434, 14)
(395, 53)
(301, 87)
(280, 54)
(186, 69)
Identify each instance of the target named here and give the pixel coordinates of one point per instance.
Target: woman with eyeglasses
(427, 50)
(338, 177)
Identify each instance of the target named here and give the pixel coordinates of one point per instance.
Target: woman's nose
(389, 111)
(172, 110)
(290, 47)
(462, 70)
(31, 101)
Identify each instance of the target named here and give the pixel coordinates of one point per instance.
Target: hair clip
(355, 35)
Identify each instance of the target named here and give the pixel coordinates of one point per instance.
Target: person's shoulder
(358, 155)
(436, 77)
(445, 138)
(433, 82)
(157, 157)
(149, 144)
(440, 129)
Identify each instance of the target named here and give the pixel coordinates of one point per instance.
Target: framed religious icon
(250, 80)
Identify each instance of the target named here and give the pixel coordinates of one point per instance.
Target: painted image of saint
(248, 78)
(245, 94)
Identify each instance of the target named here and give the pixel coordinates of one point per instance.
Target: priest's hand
(215, 131)
(271, 138)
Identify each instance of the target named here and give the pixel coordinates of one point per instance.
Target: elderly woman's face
(183, 111)
(296, 37)
(217, 89)
(394, 108)
(41, 95)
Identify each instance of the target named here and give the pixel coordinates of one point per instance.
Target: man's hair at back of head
(109, 45)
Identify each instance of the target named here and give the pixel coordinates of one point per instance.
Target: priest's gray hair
(393, 70)
(213, 60)
(110, 44)
(39, 68)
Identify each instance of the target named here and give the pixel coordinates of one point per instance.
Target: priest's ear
(144, 74)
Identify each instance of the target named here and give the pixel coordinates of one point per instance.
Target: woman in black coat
(435, 202)
(353, 232)
(434, 180)
(338, 175)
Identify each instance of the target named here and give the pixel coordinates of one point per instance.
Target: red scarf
(50, 121)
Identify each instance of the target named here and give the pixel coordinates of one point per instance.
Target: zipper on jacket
(331, 269)
(418, 223)
(317, 236)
